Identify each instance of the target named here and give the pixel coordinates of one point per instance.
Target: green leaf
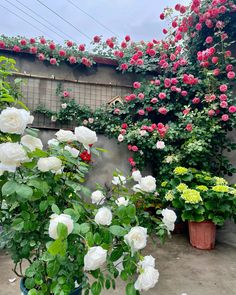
(96, 288)
(131, 211)
(43, 206)
(53, 268)
(32, 292)
(55, 209)
(72, 213)
(40, 185)
(117, 230)
(58, 247)
(116, 254)
(108, 284)
(9, 188)
(29, 283)
(18, 224)
(81, 228)
(62, 231)
(24, 191)
(130, 290)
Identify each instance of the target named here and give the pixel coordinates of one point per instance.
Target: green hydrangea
(220, 188)
(164, 183)
(169, 196)
(181, 187)
(202, 188)
(180, 170)
(191, 196)
(220, 181)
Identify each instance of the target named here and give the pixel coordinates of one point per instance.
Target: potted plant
(203, 200)
(49, 220)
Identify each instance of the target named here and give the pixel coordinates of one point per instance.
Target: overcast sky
(138, 18)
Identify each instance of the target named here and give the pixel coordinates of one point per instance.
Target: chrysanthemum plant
(199, 196)
(48, 219)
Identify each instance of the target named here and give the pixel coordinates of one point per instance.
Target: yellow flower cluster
(191, 196)
(180, 170)
(169, 196)
(202, 188)
(220, 188)
(181, 187)
(220, 181)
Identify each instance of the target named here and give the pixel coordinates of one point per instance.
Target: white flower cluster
(146, 184)
(169, 218)
(148, 276)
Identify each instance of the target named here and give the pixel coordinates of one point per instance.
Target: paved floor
(182, 268)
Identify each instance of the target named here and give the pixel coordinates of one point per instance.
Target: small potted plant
(49, 221)
(203, 200)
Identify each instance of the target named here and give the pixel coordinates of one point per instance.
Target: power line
(35, 19)
(93, 18)
(24, 20)
(69, 23)
(65, 34)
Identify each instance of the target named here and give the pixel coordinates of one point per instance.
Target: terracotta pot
(202, 234)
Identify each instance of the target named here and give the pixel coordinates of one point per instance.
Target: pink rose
(66, 94)
(136, 85)
(81, 47)
(154, 100)
(224, 104)
(52, 46)
(134, 148)
(223, 97)
(129, 147)
(162, 110)
(96, 39)
(33, 50)
(186, 111)
(41, 57)
(157, 82)
(53, 61)
(123, 131)
(141, 112)
(2, 44)
(211, 113)
(223, 88)
(124, 126)
(232, 109)
(16, 48)
(127, 38)
(141, 96)
(209, 40)
(124, 67)
(139, 62)
(229, 68)
(120, 138)
(62, 52)
(162, 95)
(116, 111)
(160, 145)
(149, 109)
(215, 59)
(196, 100)
(23, 42)
(69, 43)
(231, 75)
(72, 60)
(216, 72)
(225, 117)
(32, 40)
(184, 93)
(189, 127)
(43, 41)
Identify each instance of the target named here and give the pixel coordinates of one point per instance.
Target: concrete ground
(182, 268)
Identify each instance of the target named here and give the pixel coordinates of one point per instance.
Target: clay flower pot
(202, 234)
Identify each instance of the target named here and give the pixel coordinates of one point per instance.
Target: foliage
(199, 196)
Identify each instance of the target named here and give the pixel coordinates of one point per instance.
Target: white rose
(136, 175)
(160, 144)
(31, 142)
(62, 218)
(64, 105)
(65, 135)
(142, 132)
(11, 156)
(85, 122)
(85, 135)
(103, 216)
(52, 164)
(95, 258)
(136, 188)
(147, 261)
(98, 197)
(136, 238)
(91, 120)
(53, 142)
(122, 202)
(120, 138)
(148, 184)
(53, 118)
(73, 151)
(119, 180)
(147, 279)
(14, 120)
(169, 218)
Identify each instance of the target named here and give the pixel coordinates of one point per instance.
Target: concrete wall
(103, 166)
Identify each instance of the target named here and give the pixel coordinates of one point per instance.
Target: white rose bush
(64, 231)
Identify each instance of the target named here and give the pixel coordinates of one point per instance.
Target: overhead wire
(35, 19)
(65, 20)
(45, 34)
(92, 17)
(38, 15)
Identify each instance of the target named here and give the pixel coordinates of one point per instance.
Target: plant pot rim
(25, 291)
(204, 221)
